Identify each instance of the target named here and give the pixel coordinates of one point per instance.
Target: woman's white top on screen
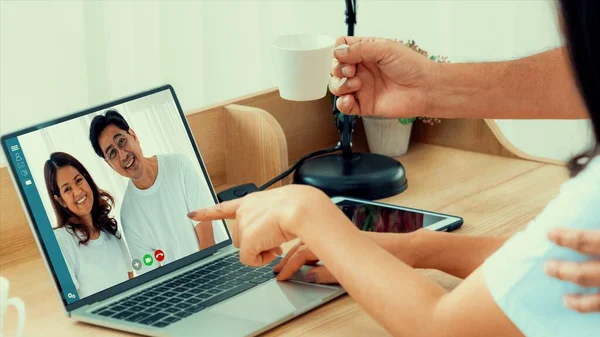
(515, 273)
(100, 264)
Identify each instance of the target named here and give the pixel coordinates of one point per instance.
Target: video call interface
(376, 218)
(110, 192)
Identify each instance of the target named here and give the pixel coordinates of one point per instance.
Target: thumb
(321, 275)
(364, 50)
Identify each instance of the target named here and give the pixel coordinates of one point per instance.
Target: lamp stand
(361, 175)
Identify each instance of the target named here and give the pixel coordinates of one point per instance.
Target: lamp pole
(361, 175)
(345, 125)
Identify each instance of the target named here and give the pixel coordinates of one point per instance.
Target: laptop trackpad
(273, 301)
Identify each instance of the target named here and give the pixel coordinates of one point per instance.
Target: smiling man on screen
(160, 193)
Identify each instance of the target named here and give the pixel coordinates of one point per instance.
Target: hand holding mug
(380, 77)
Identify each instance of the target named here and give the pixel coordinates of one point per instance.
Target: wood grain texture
(209, 132)
(495, 195)
(16, 242)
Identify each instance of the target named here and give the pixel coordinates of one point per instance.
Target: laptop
(107, 191)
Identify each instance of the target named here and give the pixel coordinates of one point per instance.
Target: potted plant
(391, 137)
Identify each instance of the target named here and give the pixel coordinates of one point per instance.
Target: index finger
(222, 211)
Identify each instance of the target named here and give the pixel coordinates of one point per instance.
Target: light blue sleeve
(515, 274)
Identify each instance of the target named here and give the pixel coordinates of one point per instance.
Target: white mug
(302, 65)
(5, 302)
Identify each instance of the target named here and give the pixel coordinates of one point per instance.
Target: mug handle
(20, 306)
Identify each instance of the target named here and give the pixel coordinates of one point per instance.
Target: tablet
(374, 216)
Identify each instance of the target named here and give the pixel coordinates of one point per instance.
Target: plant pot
(387, 136)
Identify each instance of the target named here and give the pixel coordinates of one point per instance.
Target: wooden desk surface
(495, 196)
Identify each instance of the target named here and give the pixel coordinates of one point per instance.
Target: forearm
(539, 86)
(457, 255)
(205, 236)
(383, 284)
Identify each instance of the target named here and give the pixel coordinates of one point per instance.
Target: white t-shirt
(515, 274)
(100, 264)
(156, 218)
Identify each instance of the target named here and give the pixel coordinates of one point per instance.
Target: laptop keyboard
(189, 293)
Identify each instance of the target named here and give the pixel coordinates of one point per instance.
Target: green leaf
(407, 121)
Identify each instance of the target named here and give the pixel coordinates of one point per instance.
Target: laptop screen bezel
(141, 279)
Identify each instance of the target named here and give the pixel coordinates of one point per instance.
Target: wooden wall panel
(209, 131)
(476, 135)
(464, 134)
(308, 126)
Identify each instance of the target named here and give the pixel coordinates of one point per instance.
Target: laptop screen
(109, 191)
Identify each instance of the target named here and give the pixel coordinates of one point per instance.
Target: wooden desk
(495, 195)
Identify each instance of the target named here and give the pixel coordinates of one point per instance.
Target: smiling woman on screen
(88, 236)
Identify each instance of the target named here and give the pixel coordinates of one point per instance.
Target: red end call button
(159, 255)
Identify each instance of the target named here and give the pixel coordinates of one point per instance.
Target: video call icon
(148, 260)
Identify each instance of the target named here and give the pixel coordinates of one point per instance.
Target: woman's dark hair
(100, 122)
(101, 207)
(581, 21)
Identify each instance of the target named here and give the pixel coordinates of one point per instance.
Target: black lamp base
(366, 175)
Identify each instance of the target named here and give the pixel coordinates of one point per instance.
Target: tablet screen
(376, 218)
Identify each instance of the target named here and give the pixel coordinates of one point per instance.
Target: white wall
(61, 56)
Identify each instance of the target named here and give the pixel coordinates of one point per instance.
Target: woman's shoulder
(575, 206)
(584, 189)
(63, 233)
(66, 238)
(594, 166)
(514, 274)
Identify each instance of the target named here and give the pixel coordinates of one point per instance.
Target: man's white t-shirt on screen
(100, 264)
(156, 218)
